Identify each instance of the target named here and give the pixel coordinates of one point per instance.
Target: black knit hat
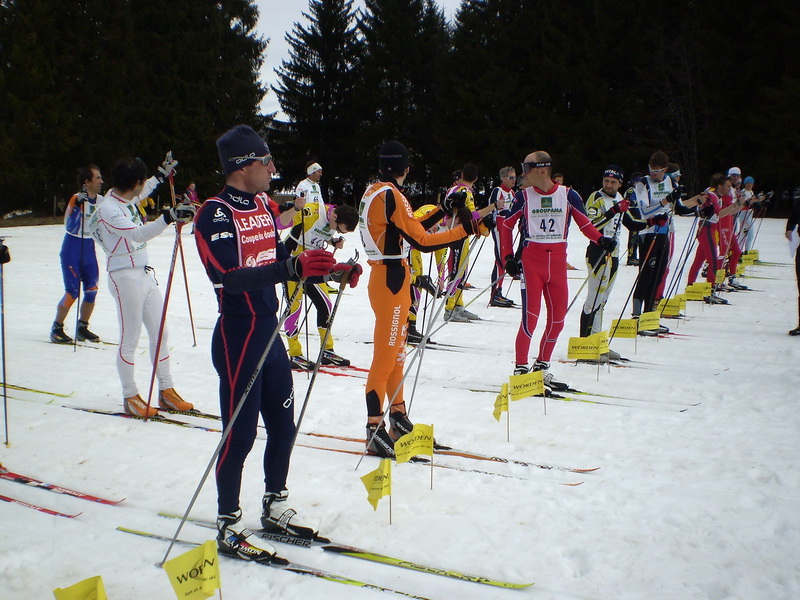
(393, 158)
(238, 147)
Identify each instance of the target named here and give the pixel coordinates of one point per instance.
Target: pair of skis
(333, 547)
(30, 481)
(319, 542)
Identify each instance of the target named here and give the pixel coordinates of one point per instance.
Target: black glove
(424, 282)
(675, 194)
(455, 201)
(5, 255)
(167, 168)
(707, 211)
(183, 213)
(606, 243)
(464, 217)
(285, 207)
(489, 221)
(513, 266)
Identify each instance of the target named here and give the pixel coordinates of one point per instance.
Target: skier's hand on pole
(349, 270)
(606, 243)
(313, 263)
(180, 213)
(5, 255)
(167, 168)
(513, 266)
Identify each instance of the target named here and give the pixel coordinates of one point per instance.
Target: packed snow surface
(696, 496)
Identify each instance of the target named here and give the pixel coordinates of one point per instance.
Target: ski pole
(603, 255)
(229, 427)
(342, 284)
(80, 272)
(635, 282)
(161, 325)
(683, 257)
(4, 258)
(420, 350)
(188, 298)
(171, 179)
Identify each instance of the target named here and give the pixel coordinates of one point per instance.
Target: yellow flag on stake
(582, 348)
(624, 328)
(378, 482)
(529, 384)
(697, 291)
(88, 589)
(195, 574)
(419, 441)
(501, 402)
(649, 321)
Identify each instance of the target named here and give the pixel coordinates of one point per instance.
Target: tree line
(591, 82)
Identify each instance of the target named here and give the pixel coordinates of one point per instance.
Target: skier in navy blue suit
(244, 259)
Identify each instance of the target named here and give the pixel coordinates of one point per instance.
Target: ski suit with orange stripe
(388, 227)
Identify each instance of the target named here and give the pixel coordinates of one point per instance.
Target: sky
(276, 19)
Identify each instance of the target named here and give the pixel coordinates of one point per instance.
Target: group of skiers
(239, 240)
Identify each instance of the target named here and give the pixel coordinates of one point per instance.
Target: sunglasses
(265, 160)
(652, 170)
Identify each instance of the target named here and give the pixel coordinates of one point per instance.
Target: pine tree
(93, 80)
(316, 90)
(405, 43)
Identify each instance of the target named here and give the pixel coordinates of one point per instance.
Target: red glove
(622, 206)
(313, 263)
(355, 271)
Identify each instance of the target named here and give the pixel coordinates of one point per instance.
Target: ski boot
(234, 539)
(329, 358)
(278, 517)
(169, 399)
(84, 335)
(547, 376)
(301, 363)
(57, 335)
(379, 442)
(136, 406)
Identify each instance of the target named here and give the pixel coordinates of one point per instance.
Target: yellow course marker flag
(194, 575)
(501, 402)
(378, 482)
(624, 328)
(697, 291)
(601, 339)
(649, 321)
(529, 384)
(88, 589)
(671, 306)
(419, 441)
(583, 348)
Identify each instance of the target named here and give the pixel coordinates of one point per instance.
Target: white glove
(167, 167)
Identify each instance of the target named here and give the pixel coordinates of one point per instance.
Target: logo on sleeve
(221, 236)
(221, 217)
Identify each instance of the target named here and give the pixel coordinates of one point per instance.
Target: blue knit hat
(614, 171)
(240, 146)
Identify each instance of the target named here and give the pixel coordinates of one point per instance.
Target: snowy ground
(692, 505)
